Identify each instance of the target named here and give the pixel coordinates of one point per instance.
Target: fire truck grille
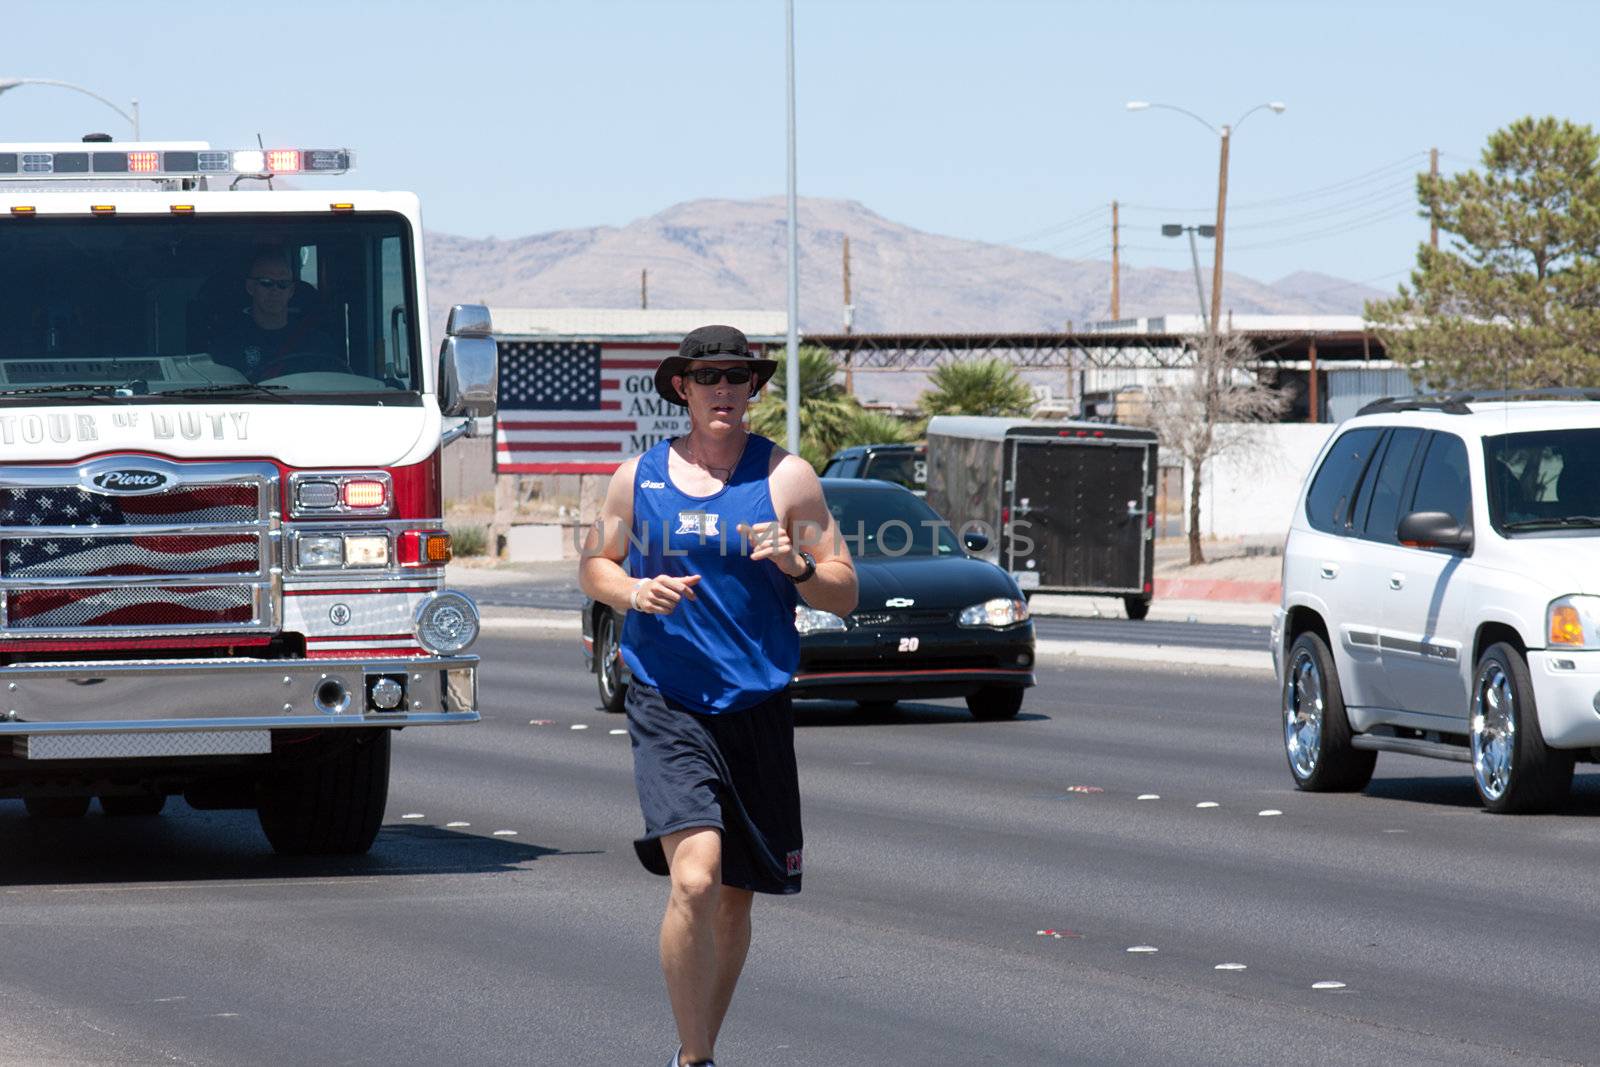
(130, 606)
(62, 557)
(197, 556)
(69, 505)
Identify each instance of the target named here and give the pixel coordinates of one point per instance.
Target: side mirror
(976, 542)
(1434, 529)
(468, 363)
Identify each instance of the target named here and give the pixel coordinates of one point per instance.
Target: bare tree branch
(1206, 413)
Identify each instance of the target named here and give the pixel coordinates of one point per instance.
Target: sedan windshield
(262, 306)
(1549, 480)
(889, 522)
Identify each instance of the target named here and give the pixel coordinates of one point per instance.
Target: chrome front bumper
(216, 694)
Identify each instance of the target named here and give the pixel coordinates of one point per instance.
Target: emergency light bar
(190, 160)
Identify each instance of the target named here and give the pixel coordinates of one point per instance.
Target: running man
(708, 542)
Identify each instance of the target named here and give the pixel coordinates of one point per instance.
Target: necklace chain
(727, 471)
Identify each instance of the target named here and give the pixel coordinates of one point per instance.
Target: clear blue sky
(984, 119)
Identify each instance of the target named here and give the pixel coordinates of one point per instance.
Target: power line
(1316, 235)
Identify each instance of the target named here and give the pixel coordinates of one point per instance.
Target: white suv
(1441, 596)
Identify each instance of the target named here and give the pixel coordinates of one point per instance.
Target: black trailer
(1070, 506)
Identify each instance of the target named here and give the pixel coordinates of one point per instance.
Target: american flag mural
(579, 407)
(33, 546)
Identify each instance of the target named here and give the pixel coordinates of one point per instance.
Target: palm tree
(978, 387)
(829, 419)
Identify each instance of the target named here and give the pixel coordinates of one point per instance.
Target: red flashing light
(364, 494)
(283, 160)
(144, 162)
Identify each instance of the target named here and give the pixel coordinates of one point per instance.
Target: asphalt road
(938, 849)
(1074, 628)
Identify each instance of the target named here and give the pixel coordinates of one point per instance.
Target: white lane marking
(1327, 985)
(1229, 967)
(1394, 831)
(1270, 811)
(226, 1015)
(1149, 796)
(1208, 804)
(504, 833)
(455, 825)
(618, 733)
(580, 726)
(1144, 949)
(541, 722)
(413, 815)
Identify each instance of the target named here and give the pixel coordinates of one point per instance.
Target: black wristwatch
(805, 575)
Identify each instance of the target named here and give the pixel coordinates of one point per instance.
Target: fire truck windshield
(303, 307)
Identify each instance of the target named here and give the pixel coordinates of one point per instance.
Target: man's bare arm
(808, 526)
(601, 573)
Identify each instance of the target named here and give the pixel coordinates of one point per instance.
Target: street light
(133, 119)
(1173, 229)
(1225, 135)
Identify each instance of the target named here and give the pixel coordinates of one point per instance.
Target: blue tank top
(736, 644)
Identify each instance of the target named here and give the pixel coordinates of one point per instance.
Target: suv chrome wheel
(1303, 704)
(1494, 730)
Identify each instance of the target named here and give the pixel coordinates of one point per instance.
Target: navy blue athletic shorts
(733, 771)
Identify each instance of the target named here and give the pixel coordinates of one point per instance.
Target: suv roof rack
(1456, 403)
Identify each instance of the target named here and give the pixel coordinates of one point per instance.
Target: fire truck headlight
(320, 551)
(366, 550)
(447, 623)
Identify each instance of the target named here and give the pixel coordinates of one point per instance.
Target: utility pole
(849, 321)
(1433, 217)
(644, 288)
(1116, 268)
(1222, 209)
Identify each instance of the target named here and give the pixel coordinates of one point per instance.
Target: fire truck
(222, 556)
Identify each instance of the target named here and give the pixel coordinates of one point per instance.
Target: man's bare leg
(733, 942)
(688, 937)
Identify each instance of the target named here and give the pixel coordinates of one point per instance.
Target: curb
(1218, 589)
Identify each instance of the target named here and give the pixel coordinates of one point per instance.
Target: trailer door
(1085, 507)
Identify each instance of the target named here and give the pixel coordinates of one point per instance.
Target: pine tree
(1513, 298)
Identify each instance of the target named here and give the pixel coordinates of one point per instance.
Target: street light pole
(1216, 251)
(791, 377)
(1173, 229)
(133, 119)
(1225, 135)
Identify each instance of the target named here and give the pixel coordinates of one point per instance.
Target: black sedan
(931, 621)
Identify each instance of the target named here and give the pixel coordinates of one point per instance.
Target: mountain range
(732, 254)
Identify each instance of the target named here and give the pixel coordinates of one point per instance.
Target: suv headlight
(809, 620)
(999, 612)
(1573, 622)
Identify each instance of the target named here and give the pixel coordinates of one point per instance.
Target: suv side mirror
(468, 363)
(976, 542)
(1434, 529)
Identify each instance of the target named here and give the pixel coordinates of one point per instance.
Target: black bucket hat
(711, 342)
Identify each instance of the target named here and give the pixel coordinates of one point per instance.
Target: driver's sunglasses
(713, 375)
(284, 284)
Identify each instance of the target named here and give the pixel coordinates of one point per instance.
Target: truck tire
(1514, 771)
(608, 662)
(329, 806)
(139, 804)
(995, 702)
(1137, 607)
(1316, 732)
(56, 807)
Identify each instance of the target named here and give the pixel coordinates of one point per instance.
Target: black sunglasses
(713, 375)
(284, 284)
